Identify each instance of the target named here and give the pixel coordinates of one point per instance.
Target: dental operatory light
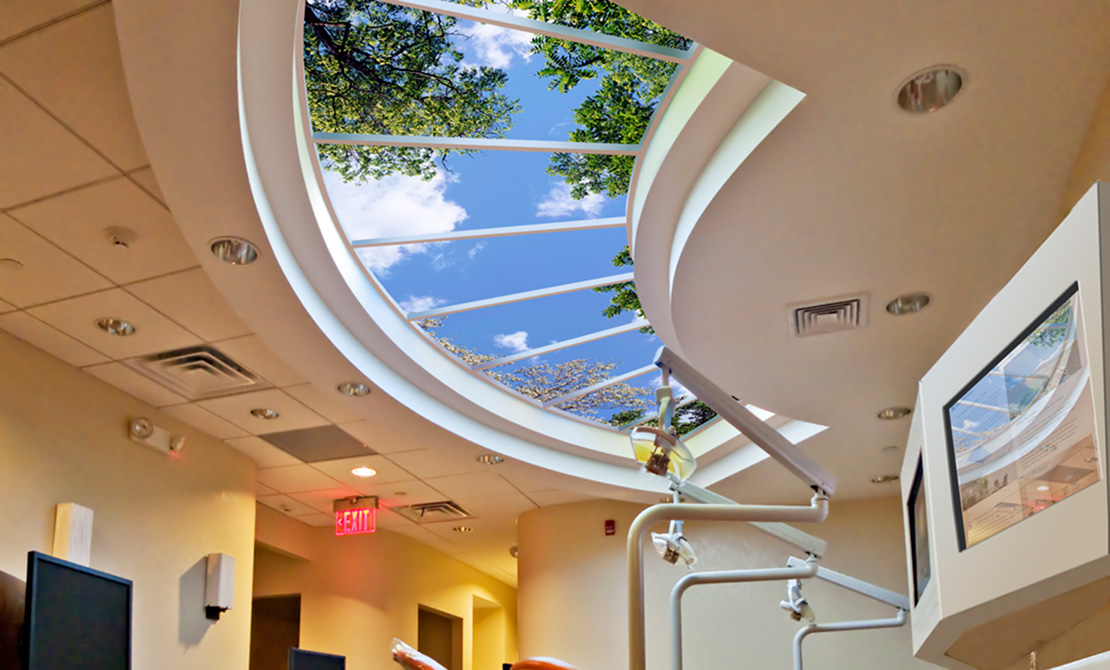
(796, 603)
(658, 449)
(673, 546)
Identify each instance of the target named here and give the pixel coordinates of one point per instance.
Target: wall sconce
(219, 585)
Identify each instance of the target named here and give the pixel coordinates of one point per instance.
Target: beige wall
(573, 597)
(359, 592)
(63, 438)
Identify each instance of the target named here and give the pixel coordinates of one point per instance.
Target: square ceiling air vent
(444, 510)
(198, 372)
(322, 443)
(828, 316)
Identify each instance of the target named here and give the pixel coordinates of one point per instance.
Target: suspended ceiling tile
(262, 452)
(191, 299)
(41, 157)
(261, 489)
(529, 478)
(483, 534)
(47, 272)
(296, 479)
(292, 415)
(390, 519)
(473, 486)
(324, 499)
(6, 307)
(79, 222)
(317, 519)
(399, 494)
(557, 497)
(286, 505)
(330, 403)
(20, 17)
(318, 443)
(73, 68)
(372, 435)
(146, 179)
(508, 506)
(77, 317)
(129, 381)
(478, 561)
(427, 463)
(422, 535)
(49, 339)
(205, 421)
(340, 469)
(251, 352)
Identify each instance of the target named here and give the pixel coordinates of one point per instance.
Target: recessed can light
(490, 459)
(265, 413)
(884, 479)
(234, 250)
(911, 303)
(890, 449)
(114, 326)
(1042, 487)
(353, 389)
(930, 89)
(892, 413)
(462, 529)
(363, 471)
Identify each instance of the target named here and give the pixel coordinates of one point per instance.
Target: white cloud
(517, 341)
(495, 46)
(475, 249)
(420, 303)
(397, 205)
(558, 202)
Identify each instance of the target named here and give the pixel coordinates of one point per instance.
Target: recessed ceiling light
(363, 471)
(892, 413)
(462, 529)
(353, 389)
(490, 459)
(114, 326)
(930, 89)
(234, 250)
(884, 479)
(890, 449)
(1042, 487)
(911, 303)
(265, 413)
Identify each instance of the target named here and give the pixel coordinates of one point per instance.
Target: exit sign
(356, 521)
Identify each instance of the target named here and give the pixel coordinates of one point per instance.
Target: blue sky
(493, 189)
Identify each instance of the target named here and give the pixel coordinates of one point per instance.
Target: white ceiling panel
(251, 352)
(262, 452)
(47, 272)
(74, 69)
(473, 486)
(484, 533)
(371, 434)
(340, 469)
(192, 300)
(426, 463)
(421, 534)
(79, 221)
(324, 500)
(6, 307)
(77, 317)
(390, 519)
(508, 506)
(296, 478)
(317, 519)
(400, 494)
(41, 157)
(333, 405)
(529, 478)
(261, 489)
(144, 177)
(20, 17)
(129, 381)
(205, 421)
(286, 505)
(49, 339)
(478, 562)
(557, 497)
(237, 409)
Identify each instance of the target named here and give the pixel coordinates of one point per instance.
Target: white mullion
(480, 15)
(556, 346)
(476, 143)
(598, 386)
(518, 297)
(506, 231)
(685, 403)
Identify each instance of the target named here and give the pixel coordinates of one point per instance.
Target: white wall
(573, 603)
(359, 592)
(63, 438)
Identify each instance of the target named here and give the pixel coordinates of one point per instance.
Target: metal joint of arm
(637, 652)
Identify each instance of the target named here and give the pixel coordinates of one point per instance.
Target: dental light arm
(861, 587)
(762, 435)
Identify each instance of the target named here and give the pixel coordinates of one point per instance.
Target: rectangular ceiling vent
(198, 372)
(444, 510)
(828, 316)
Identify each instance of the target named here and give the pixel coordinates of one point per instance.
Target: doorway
(439, 635)
(275, 628)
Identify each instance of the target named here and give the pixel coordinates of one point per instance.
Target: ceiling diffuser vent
(828, 316)
(445, 510)
(198, 372)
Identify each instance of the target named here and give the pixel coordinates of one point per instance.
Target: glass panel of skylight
(486, 189)
(617, 405)
(606, 358)
(507, 329)
(449, 273)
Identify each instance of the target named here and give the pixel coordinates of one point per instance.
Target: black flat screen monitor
(75, 618)
(919, 535)
(302, 659)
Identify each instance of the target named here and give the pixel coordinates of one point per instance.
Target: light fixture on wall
(234, 250)
(143, 431)
(219, 585)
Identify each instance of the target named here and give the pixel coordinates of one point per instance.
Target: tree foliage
(624, 298)
(630, 86)
(686, 418)
(377, 68)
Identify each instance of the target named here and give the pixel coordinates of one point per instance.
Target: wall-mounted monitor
(76, 618)
(302, 659)
(1021, 433)
(918, 515)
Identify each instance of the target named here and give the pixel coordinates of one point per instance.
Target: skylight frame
(682, 58)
